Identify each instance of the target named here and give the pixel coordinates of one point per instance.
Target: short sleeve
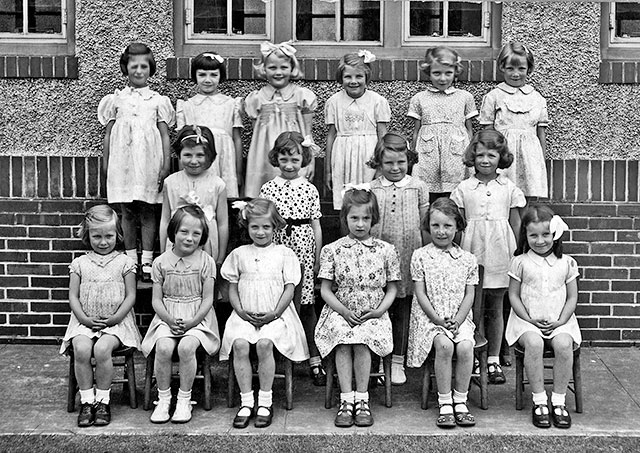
(415, 108)
(517, 197)
(423, 199)
(327, 263)
(331, 110)
(229, 270)
(252, 104)
(208, 267)
(157, 276)
(544, 114)
(382, 110)
(128, 266)
(74, 267)
(107, 109)
(316, 213)
(237, 113)
(470, 110)
(291, 272)
(515, 268)
(392, 264)
(457, 196)
(307, 100)
(488, 108)
(166, 113)
(472, 274)
(572, 269)
(181, 120)
(417, 270)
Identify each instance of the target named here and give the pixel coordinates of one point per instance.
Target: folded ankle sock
(103, 396)
(459, 397)
(133, 254)
(265, 398)
(87, 396)
(164, 394)
(315, 361)
(445, 398)
(362, 396)
(539, 398)
(493, 359)
(184, 395)
(349, 397)
(558, 399)
(246, 400)
(147, 256)
(397, 359)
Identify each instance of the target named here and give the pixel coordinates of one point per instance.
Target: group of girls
(397, 283)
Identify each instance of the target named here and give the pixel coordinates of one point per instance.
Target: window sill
(616, 71)
(47, 67)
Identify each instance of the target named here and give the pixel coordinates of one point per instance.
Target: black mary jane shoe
(103, 414)
(262, 421)
(242, 421)
(540, 420)
(87, 415)
(562, 420)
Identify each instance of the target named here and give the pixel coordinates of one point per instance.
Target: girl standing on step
(444, 278)
(543, 292)
(262, 278)
(102, 292)
(354, 322)
(183, 281)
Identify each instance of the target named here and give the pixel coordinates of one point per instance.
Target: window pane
(247, 17)
(361, 21)
(627, 20)
(319, 21)
(10, 16)
(45, 16)
(210, 16)
(465, 19)
(425, 19)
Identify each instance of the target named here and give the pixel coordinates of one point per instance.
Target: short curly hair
(448, 207)
(137, 48)
(183, 140)
(357, 197)
(445, 56)
(100, 215)
(290, 143)
(511, 50)
(490, 139)
(178, 217)
(355, 61)
(392, 142)
(296, 67)
(259, 207)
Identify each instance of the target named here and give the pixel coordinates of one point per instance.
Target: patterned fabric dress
(135, 149)
(297, 200)
(101, 294)
(443, 137)
(221, 114)
(402, 206)
(360, 270)
(445, 275)
(182, 280)
(356, 122)
(517, 113)
(274, 111)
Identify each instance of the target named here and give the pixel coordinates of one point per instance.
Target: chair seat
(481, 341)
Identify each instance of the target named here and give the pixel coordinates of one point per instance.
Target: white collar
(526, 88)
(475, 182)
(449, 90)
(455, 251)
(402, 183)
(286, 93)
(550, 259)
(280, 181)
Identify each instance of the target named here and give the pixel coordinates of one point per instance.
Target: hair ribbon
(214, 56)
(193, 198)
(197, 136)
(367, 56)
(349, 186)
(241, 206)
(557, 226)
(267, 48)
(309, 143)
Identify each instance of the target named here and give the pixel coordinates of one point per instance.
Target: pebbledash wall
(50, 150)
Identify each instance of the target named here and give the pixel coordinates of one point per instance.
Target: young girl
(277, 107)
(444, 278)
(197, 184)
(543, 292)
(490, 202)
(262, 278)
(442, 123)
(298, 201)
(183, 280)
(403, 201)
(220, 113)
(518, 111)
(102, 292)
(357, 118)
(135, 157)
(354, 271)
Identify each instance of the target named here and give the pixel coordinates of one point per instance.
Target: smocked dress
(221, 114)
(274, 111)
(181, 189)
(488, 234)
(543, 291)
(445, 274)
(402, 206)
(517, 113)
(102, 291)
(135, 148)
(182, 280)
(360, 270)
(298, 202)
(442, 138)
(261, 274)
(356, 122)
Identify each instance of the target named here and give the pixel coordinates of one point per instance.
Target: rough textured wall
(58, 117)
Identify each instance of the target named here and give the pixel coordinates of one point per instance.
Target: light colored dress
(135, 149)
(360, 270)
(446, 275)
(543, 291)
(402, 206)
(488, 234)
(297, 201)
(442, 138)
(261, 274)
(182, 280)
(102, 291)
(221, 114)
(356, 122)
(516, 113)
(204, 191)
(274, 111)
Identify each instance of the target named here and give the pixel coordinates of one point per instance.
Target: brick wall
(42, 200)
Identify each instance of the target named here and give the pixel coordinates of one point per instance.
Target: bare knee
(241, 348)
(264, 348)
(102, 351)
(82, 350)
(443, 347)
(187, 348)
(464, 350)
(562, 346)
(164, 348)
(533, 343)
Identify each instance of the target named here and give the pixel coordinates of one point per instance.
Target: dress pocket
(458, 145)
(427, 143)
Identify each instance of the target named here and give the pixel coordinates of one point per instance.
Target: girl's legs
(149, 229)
(562, 370)
(505, 354)
(266, 372)
(399, 313)
(444, 348)
(309, 320)
(187, 367)
(362, 368)
(102, 351)
(162, 365)
(242, 368)
(344, 367)
(129, 222)
(533, 345)
(494, 331)
(464, 367)
(82, 351)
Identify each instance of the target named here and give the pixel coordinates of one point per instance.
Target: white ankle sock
(147, 256)
(539, 398)
(445, 398)
(133, 254)
(265, 399)
(362, 396)
(493, 359)
(87, 396)
(164, 394)
(349, 397)
(182, 395)
(103, 396)
(246, 400)
(315, 361)
(558, 399)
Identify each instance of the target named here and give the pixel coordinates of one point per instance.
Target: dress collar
(550, 260)
(199, 98)
(286, 93)
(455, 251)
(144, 92)
(280, 181)
(188, 261)
(526, 88)
(402, 183)
(102, 260)
(350, 242)
(475, 182)
(449, 90)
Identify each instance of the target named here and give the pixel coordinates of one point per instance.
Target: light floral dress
(360, 270)
(442, 138)
(102, 291)
(356, 122)
(182, 280)
(488, 234)
(261, 274)
(221, 114)
(543, 291)
(446, 275)
(135, 148)
(274, 111)
(517, 113)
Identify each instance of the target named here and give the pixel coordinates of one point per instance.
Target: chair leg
(386, 363)
(206, 374)
(329, 366)
(519, 381)
(148, 378)
(72, 386)
(288, 382)
(231, 383)
(130, 375)
(426, 382)
(577, 381)
(484, 380)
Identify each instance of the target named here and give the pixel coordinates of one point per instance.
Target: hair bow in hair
(367, 56)
(240, 205)
(349, 186)
(214, 56)
(557, 226)
(197, 136)
(309, 143)
(194, 199)
(267, 48)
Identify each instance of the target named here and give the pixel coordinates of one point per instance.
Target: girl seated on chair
(444, 278)
(262, 278)
(543, 292)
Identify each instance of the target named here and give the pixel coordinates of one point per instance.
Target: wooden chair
(123, 358)
(203, 373)
(575, 384)
(480, 351)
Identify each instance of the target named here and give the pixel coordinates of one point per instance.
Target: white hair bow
(367, 56)
(240, 205)
(267, 48)
(349, 186)
(557, 226)
(309, 143)
(214, 56)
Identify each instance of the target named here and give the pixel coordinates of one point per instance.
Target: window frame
(612, 48)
